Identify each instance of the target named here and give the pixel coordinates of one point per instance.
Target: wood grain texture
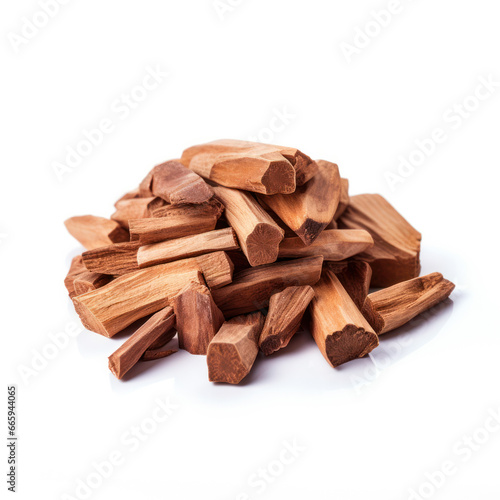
(76, 269)
(232, 352)
(217, 269)
(212, 207)
(135, 208)
(113, 307)
(156, 229)
(189, 246)
(338, 327)
(286, 310)
(251, 289)
(311, 207)
(261, 168)
(197, 318)
(332, 244)
(176, 184)
(355, 277)
(90, 281)
(117, 259)
(394, 306)
(126, 356)
(344, 198)
(395, 255)
(94, 232)
(258, 235)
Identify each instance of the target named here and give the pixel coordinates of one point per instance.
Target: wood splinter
(338, 327)
(394, 306)
(233, 350)
(88, 281)
(286, 310)
(126, 356)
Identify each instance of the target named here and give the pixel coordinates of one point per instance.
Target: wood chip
(232, 352)
(312, 207)
(259, 236)
(261, 168)
(113, 307)
(344, 198)
(332, 244)
(338, 327)
(126, 356)
(189, 246)
(286, 310)
(355, 277)
(95, 232)
(251, 289)
(197, 318)
(400, 303)
(395, 255)
(90, 281)
(117, 259)
(177, 184)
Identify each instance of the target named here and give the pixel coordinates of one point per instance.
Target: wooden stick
(198, 318)
(116, 260)
(259, 236)
(261, 168)
(176, 184)
(232, 352)
(77, 268)
(252, 288)
(189, 246)
(286, 310)
(395, 256)
(312, 207)
(332, 244)
(338, 327)
(398, 304)
(95, 232)
(128, 196)
(126, 356)
(153, 230)
(163, 339)
(90, 281)
(113, 307)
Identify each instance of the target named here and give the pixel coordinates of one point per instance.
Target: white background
(365, 430)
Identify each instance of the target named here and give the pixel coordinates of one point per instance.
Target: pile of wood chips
(208, 243)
